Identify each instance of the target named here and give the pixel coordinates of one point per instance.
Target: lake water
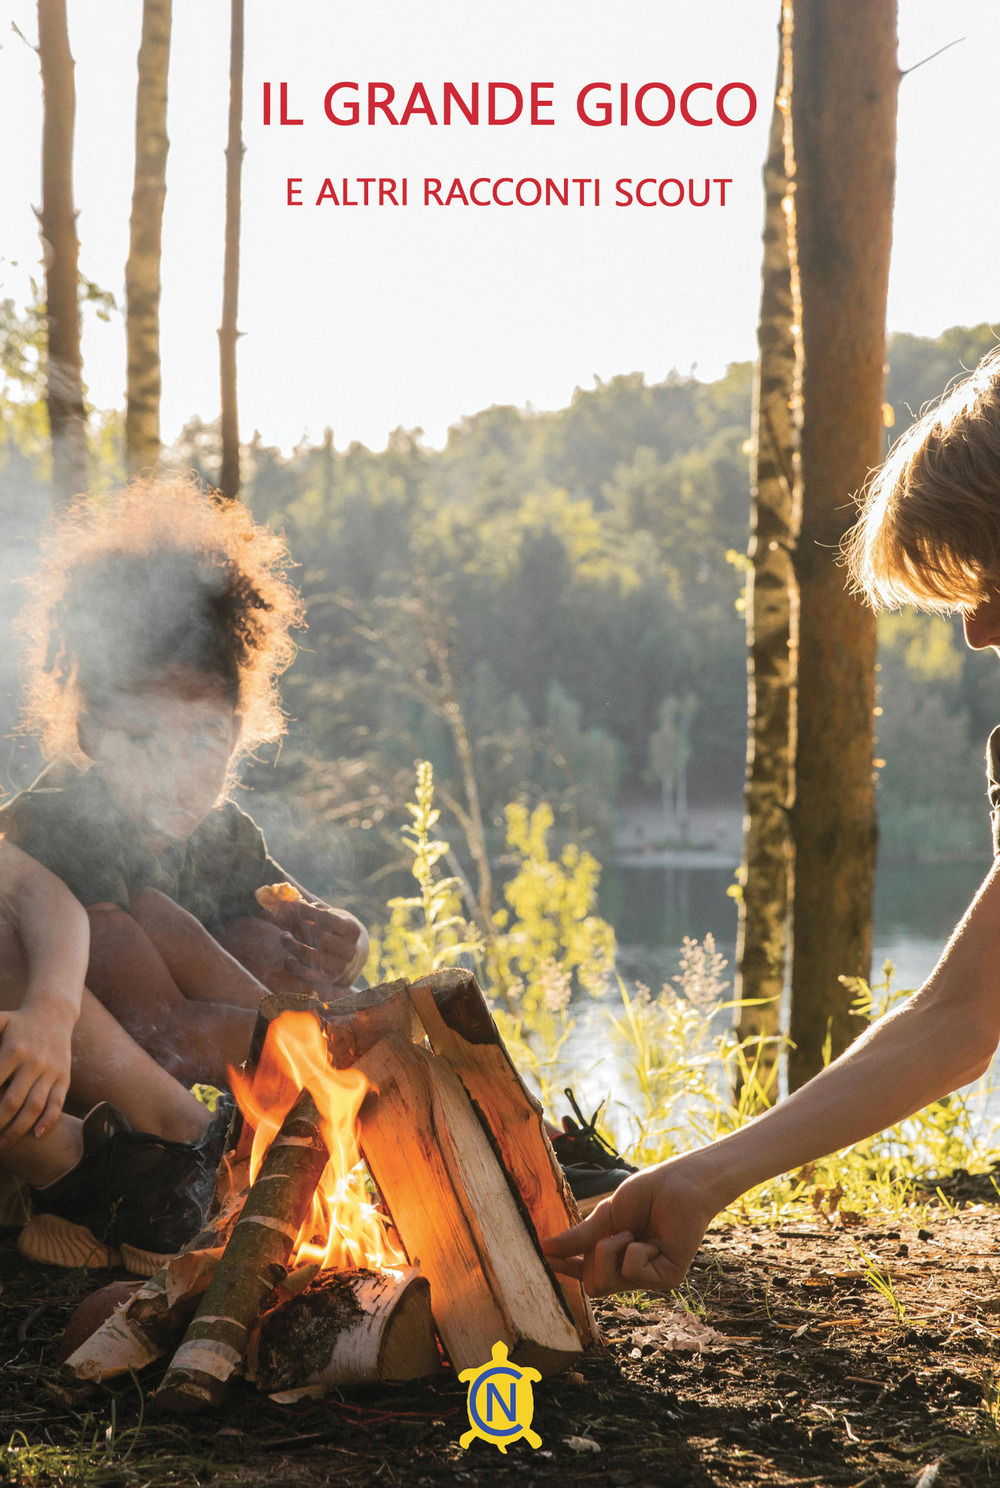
(652, 909)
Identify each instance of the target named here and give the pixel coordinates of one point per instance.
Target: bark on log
(461, 1029)
(349, 1328)
(255, 1262)
(152, 1320)
(458, 1215)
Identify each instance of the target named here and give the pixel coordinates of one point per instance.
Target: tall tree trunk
(142, 271)
(844, 129)
(772, 607)
(229, 475)
(64, 393)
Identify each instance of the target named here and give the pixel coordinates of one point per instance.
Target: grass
(678, 1059)
(677, 1069)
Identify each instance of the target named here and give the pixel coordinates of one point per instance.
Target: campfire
(378, 1212)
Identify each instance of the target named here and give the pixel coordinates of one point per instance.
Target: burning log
(461, 1029)
(348, 1328)
(352, 1025)
(254, 1263)
(457, 1214)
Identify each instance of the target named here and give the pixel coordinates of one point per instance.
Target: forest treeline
(549, 607)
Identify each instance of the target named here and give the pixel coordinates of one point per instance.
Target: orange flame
(344, 1229)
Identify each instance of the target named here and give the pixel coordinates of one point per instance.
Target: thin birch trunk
(772, 613)
(844, 130)
(229, 475)
(142, 271)
(64, 391)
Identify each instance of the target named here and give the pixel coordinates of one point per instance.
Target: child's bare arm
(648, 1231)
(35, 1037)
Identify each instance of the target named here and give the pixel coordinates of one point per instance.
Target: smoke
(25, 503)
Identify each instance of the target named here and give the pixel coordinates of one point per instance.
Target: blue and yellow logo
(500, 1402)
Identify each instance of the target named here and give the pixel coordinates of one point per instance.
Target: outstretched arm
(646, 1234)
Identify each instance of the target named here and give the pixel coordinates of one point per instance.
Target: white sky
(366, 319)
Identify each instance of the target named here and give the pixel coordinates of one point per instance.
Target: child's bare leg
(199, 965)
(110, 1065)
(107, 1065)
(41, 1160)
(191, 1040)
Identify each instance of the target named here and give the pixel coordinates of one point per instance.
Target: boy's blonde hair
(158, 575)
(929, 529)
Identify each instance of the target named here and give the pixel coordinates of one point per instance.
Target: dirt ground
(828, 1369)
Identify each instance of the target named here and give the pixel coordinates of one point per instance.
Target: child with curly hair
(158, 624)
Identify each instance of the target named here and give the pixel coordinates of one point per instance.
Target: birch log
(255, 1262)
(349, 1328)
(152, 1320)
(461, 1029)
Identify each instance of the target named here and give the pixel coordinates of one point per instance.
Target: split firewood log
(456, 1214)
(254, 1263)
(347, 1328)
(351, 1025)
(462, 1030)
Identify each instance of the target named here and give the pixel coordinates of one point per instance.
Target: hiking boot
(591, 1165)
(133, 1199)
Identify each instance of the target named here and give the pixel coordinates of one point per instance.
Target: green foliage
(24, 420)
(550, 939)
(583, 567)
(425, 931)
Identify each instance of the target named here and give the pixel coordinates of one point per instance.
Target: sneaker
(592, 1167)
(133, 1199)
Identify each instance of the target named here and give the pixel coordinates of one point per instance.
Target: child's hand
(645, 1234)
(34, 1072)
(337, 941)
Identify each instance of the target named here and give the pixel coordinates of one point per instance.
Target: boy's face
(982, 625)
(164, 750)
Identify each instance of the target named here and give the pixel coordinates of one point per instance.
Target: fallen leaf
(581, 1444)
(681, 1332)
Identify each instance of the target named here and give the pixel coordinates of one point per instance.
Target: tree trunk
(142, 271)
(229, 475)
(772, 613)
(64, 393)
(843, 128)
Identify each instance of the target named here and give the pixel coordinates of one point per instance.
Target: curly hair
(138, 581)
(929, 529)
